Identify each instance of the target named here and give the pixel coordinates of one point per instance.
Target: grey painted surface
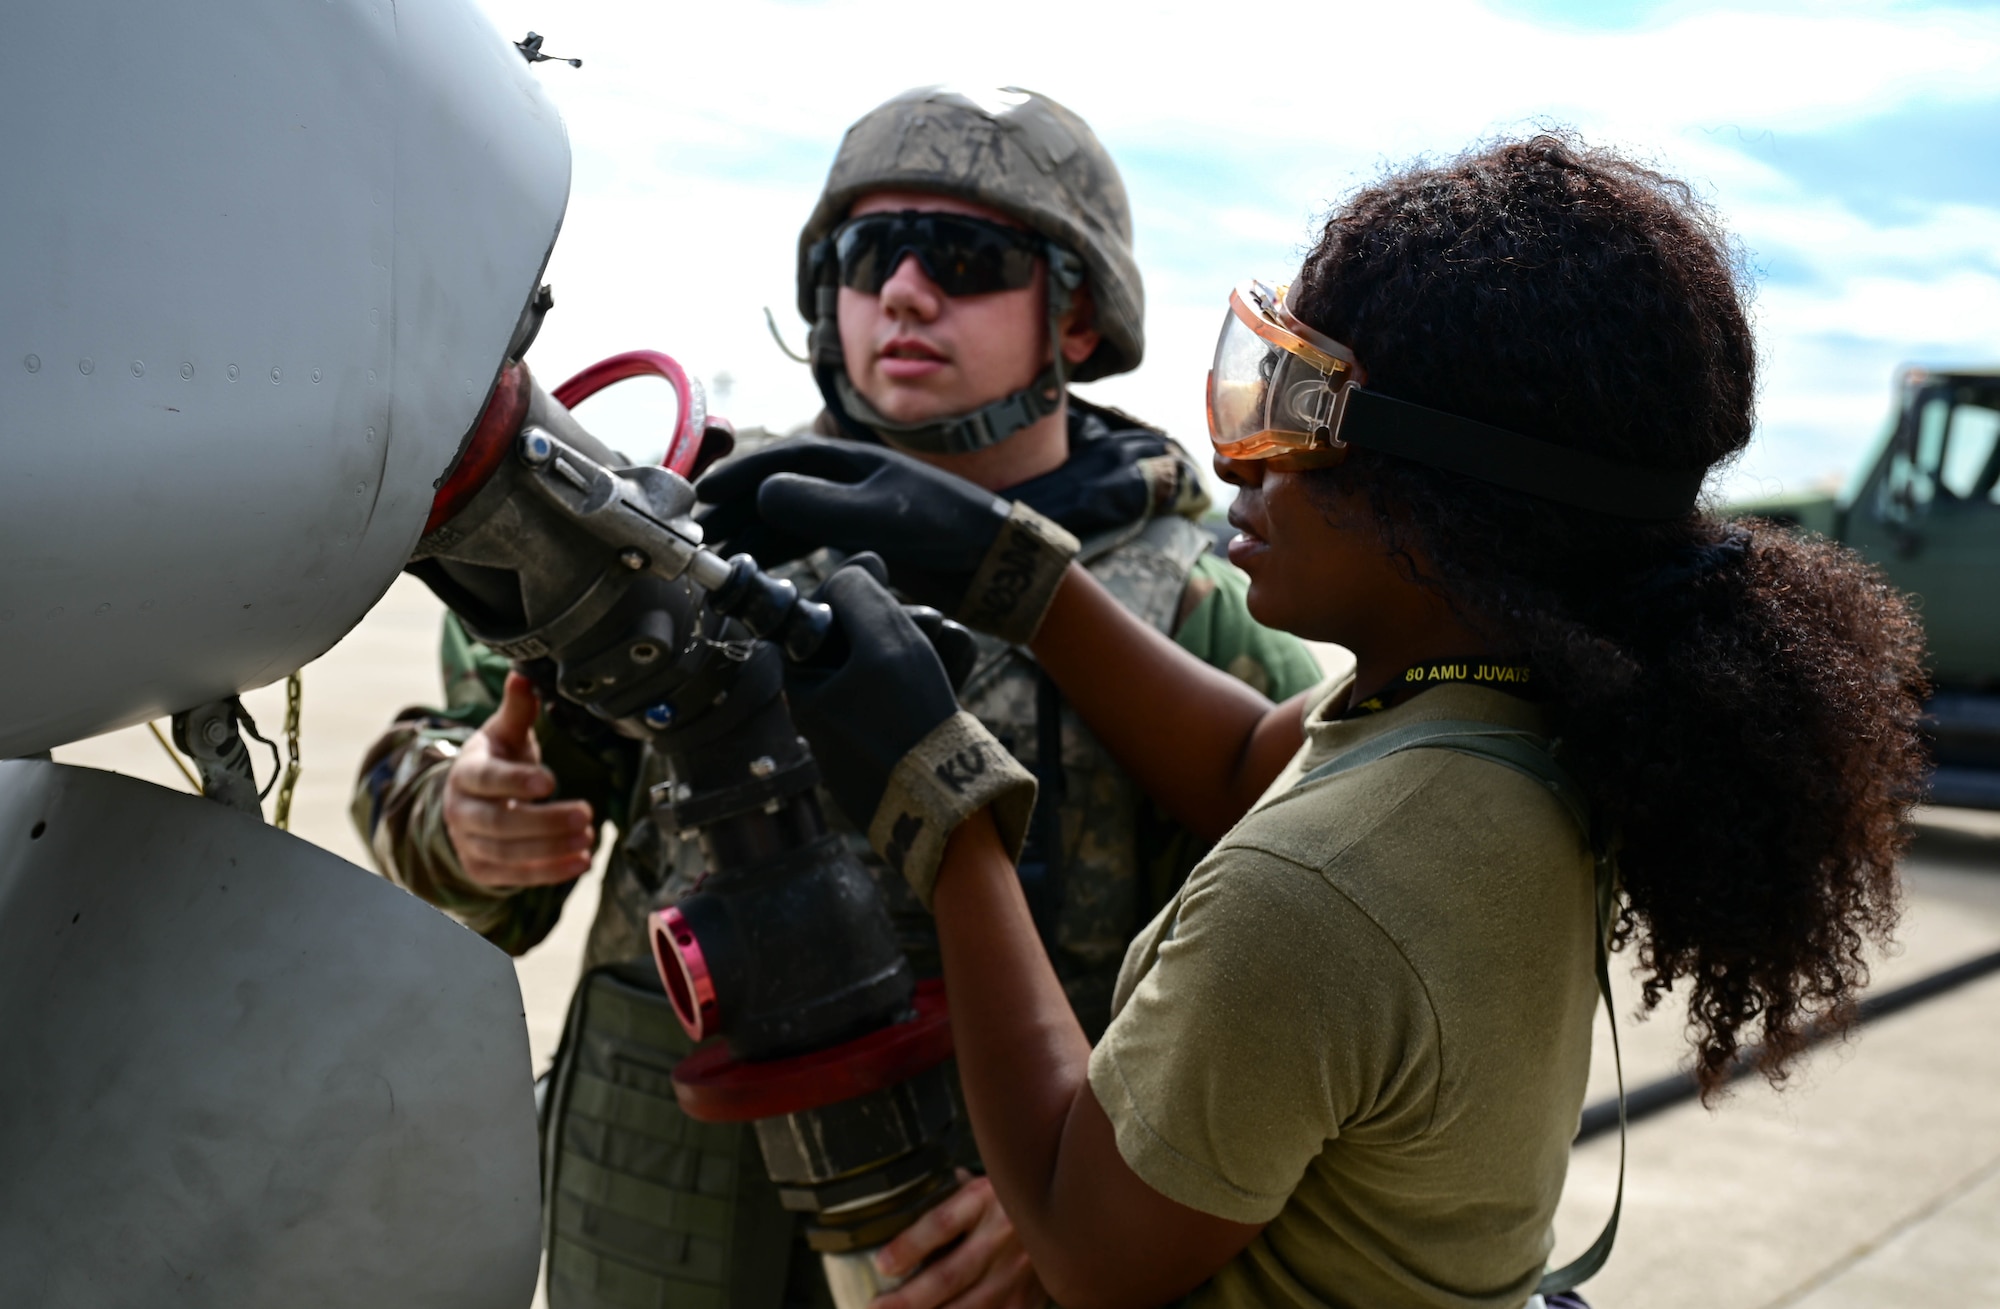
(243, 1072)
(261, 263)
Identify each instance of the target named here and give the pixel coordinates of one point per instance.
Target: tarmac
(1871, 1179)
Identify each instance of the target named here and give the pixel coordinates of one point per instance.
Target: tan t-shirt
(1365, 1022)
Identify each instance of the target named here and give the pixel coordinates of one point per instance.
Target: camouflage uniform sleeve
(398, 804)
(1216, 627)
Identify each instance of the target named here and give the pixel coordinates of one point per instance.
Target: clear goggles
(1277, 387)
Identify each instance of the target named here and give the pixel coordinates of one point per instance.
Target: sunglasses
(961, 254)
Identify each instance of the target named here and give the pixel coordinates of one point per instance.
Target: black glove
(902, 760)
(989, 563)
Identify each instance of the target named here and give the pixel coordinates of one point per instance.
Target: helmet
(1019, 153)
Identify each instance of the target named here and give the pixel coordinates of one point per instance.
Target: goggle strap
(1519, 463)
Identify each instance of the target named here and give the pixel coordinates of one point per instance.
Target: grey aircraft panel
(261, 264)
(239, 1071)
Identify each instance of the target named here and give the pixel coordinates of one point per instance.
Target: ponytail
(1742, 704)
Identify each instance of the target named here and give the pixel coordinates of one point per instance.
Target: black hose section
(1645, 1101)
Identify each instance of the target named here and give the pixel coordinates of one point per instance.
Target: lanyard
(1515, 677)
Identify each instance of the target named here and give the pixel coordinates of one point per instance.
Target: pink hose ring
(684, 970)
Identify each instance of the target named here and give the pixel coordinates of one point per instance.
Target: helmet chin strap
(987, 425)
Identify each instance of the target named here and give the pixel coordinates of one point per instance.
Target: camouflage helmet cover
(1012, 150)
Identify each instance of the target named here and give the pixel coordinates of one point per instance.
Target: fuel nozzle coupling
(642, 515)
(783, 962)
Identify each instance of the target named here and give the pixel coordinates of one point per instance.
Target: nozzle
(772, 608)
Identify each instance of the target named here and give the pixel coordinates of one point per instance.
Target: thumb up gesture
(507, 833)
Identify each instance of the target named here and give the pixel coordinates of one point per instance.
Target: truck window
(1949, 452)
(1967, 468)
(1911, 479)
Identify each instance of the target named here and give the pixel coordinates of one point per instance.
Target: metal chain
(294, 694)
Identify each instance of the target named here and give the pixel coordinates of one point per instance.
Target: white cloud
(702, 133)
(1956, 314)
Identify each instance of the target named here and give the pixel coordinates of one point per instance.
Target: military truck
(1925, 507)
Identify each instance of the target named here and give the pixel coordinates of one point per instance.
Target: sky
(1851, 146)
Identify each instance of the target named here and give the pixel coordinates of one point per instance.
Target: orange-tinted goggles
(1281, 389)
(1277, 386)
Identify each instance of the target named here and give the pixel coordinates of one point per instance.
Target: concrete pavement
(1872, 1178)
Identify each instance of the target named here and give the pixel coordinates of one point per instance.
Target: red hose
(686, 442)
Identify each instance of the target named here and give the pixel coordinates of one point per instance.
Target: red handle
(686, 442)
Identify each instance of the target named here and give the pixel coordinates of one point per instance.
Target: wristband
(950, 775)
(1017, 579)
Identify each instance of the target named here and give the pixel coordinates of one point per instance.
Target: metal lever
(207, 734)
(629, 511)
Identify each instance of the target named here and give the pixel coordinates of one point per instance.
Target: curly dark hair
(1741, 703)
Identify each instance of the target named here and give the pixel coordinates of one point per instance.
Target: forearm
(1196, 739)
(1099, 1237)
(1022, 1055)
(398, 810)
